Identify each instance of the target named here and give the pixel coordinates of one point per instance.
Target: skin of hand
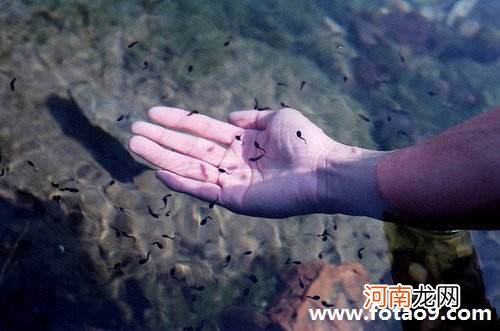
(293, 177)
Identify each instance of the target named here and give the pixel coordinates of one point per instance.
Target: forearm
(451, 177)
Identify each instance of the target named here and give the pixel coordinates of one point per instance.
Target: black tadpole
(359, 253)
(32, 165)
(326, 304)
(146, 259)
(257, 157)
(165, 200)
(299, 135)
(431, 93)
(228, 41)
(145, 65)
(282, 84)
(256, 144)
(364, 118)
(57, 198)
(125, 234)
(190, 68)
(302, 83)
(193, 112)
(228, 260)
(168, 237)
(212, 203)
(133, 44)
(158, 244)
(253, 279)
(320, 255)
(12, 82)
(345, 77)
(150, 211)
(401, 57)
(223, 171)
(316, 297)
(284, 105)
(247, 253)
(205, 219)
(117, 232)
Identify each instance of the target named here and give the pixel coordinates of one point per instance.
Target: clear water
(425, 64)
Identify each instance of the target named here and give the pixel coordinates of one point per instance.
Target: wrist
(347, 182)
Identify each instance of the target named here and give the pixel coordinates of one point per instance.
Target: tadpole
(344, 77)
(401, 57)
(359, 253)
(153, 214)
(256, 144)
(247, 253)
(165, 200)
(168, 237)
(205, 219)
(133, 44)
(145, 65)
(302, 83)
(316, 297)
(364, 118)
(282, 84)
(158, 244)
(299, 135)
(142, 261)
(69, 189)
(12, 82)
(431, 93)
(212, 203)
(190, 68)
(32, 165)
(125, 234)
(193, 112)
(253, 278)
(57, 198)
(257, 158)
(223, 171)
(326, 304)
(228, 260)
(228, 41)
(282, 104)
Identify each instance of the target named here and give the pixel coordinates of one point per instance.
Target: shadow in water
(105, 149)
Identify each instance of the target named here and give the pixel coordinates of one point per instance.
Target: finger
(197, 124)
(196, 147)
(180, 164)
(251, 119)
(201, 190)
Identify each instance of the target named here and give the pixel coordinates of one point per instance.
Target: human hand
(262, 163)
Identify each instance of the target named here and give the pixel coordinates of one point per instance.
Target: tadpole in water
(256, 105)
(431, 93)
(2, 173)
(57, 198)
(364, 118)
(389, 118)
(125, 234)
(282, 104)
(165, 200)
(132, 44)
(401, 58)
(12, 82)
(359, 253)
(32, 165)
(256, 144)
(205, 220)
(158, 244)
(247, 253)
(320, 255)
(190, 68)
(326, 304)
(223, 171)
(228, 41)
(316, 297)
(257, 158)
(193, 112)
(228, 260)
(69, 189)
(122, 117)
(302, 83)
(299, 135)
(153, 214)
(120, 209)
(253, 278)
(344, 77)
(146, 259)
(168, 237)
(146, 64)
(54, 185)
(111, 182)
(282, 84)
(172, 273)
(212, 203)
(324, 235)
(289, 261)
(167, 213)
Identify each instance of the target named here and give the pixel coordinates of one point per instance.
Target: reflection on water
(79, 215)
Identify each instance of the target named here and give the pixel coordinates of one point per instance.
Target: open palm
(262, 163)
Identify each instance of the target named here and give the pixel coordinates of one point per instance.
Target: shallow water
(412, 68)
